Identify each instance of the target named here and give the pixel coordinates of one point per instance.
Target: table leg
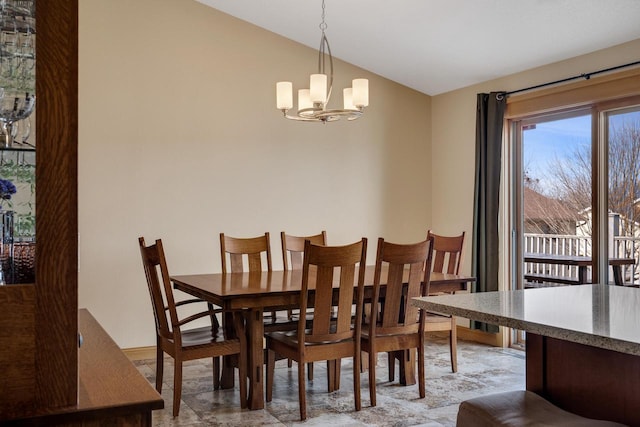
(255, 331)
(407, 360)
(228, 362)
(582, 274)
(617, 275)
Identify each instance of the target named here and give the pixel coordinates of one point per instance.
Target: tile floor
(481, 370)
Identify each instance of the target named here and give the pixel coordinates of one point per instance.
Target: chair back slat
(345, 299)
(296, 261)
(415, 289)
(322, 307)
(237, 266)
(391, 312)
(293, 248)
(255, 262)
(334, 272)
(447, 256)
(245, 253)
(407, 270)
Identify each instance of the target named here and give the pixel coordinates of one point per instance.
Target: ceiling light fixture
(312, 102)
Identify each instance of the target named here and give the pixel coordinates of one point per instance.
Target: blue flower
(6, 190)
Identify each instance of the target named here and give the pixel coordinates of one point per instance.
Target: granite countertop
(597, 315)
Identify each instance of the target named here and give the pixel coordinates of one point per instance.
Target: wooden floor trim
(140, 353)
(464, 333)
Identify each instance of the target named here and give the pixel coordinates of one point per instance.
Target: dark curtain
(489, 123)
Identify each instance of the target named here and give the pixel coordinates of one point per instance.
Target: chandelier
(312, 102)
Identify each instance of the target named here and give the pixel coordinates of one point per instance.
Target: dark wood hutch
(47, 379)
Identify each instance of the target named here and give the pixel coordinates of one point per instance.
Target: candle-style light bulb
(360, 92)
(318, 88)
(284, 95)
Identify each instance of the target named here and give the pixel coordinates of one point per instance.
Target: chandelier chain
(323, 25)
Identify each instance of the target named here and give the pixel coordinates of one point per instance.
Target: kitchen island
(583, 342)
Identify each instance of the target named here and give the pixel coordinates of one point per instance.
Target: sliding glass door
(575, 199)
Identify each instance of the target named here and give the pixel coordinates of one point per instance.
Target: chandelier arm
(318, 115)
(321, 54)
(325, 42)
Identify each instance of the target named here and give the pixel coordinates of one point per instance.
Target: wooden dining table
(257, 292)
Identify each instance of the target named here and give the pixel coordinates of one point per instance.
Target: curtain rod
(585, 76)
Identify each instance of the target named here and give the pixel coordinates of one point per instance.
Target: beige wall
(453, 134)
(180, 139)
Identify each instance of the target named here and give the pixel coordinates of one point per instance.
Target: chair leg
(159, 365)
(391, 360)
(372, 376)
(421, 380)
(453, 345)
(289, 363)
(216, 373)
(331, 375)
(302, 396)
(242, 378)
(356, 378)
(177, 385)
(310, 371)
(271, 367)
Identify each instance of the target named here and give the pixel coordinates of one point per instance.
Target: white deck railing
(566, 244)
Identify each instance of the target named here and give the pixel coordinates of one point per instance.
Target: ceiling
(435, 46)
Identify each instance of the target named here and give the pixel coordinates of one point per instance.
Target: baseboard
(475, 335)
(140, 353)
(464, 333)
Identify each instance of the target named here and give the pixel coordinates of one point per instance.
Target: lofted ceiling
(435, 46)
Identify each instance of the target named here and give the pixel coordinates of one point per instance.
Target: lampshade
(304, 99)
(284, 95)
(360, 92)
(318, 88)
(347, 95)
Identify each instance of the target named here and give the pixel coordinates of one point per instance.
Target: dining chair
(447, 258)
(447, 253)
(293, 252)
(172, 336)
(292, 257)
(293, 248)
(254, 250)
(251, 253)
(331, 280)
(397, 325)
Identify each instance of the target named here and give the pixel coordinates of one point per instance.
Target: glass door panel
(556, 194)
(552, 201)
(623, 142)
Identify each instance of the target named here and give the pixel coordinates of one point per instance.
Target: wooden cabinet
(111, 390)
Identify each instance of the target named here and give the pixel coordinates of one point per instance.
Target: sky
(560, 139)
